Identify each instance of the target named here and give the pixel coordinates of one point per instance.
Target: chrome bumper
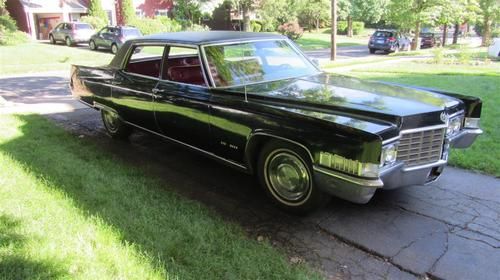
(465, 138)
(361, 190)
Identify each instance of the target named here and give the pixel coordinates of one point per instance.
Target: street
(449, 229)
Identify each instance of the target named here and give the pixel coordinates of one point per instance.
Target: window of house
(161, 12)
(139, 13)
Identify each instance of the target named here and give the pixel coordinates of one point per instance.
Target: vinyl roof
(208, 36)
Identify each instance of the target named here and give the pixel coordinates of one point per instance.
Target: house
(38, 17)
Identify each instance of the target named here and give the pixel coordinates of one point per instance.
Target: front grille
(422, 147)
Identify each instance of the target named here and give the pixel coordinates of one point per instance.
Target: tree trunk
(455, 34)
(445, 33)
(486, 32)
(349, 26)
(416, 42)
(333, 49)
(246, 18)
(317, 25)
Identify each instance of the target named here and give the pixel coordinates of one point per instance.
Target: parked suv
(113, 37)
(71, 33)
(429, 40)
(387, 41)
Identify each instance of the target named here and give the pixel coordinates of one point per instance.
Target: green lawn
(40, 57)
(316, 41)
(71, 210)
(482, 81)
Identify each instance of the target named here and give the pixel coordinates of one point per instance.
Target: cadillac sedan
(255, 102)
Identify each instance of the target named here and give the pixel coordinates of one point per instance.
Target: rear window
(383, 34)
(82, 26)
(131, 32)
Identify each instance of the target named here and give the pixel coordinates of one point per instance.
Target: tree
(313, 12)
(128, 11)
(245, 6)
(277, 12)
(490, 13)
(333, 40)
(455, 12)
(362, 10)
(412, 13)
(95, 9)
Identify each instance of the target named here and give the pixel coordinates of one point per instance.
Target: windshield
(82, 26)
(251, 62)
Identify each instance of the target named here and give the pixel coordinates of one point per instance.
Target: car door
(181, 99)
(99, 40)
(108, 37)
(132, 92)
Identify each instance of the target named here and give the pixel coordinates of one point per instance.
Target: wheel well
(257, 142)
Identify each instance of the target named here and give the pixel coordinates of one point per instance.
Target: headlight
(363, 169)
(389, 154)
(454, 125)
(471, 122)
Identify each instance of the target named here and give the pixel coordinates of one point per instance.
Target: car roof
(206, 37)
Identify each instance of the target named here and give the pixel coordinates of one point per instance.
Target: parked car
(113, 37)
(494, 48)
(255, 102)
(71, 33)
(429, 40)
(387, 41)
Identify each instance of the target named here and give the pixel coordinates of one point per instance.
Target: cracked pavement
(447, 230)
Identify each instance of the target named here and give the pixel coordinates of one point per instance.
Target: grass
(317, 41)
(482, 81)
(40, 57)
(70, 210)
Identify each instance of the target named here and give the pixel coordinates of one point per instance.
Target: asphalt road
(447, 230)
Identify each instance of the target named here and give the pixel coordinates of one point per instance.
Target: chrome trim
(231, 42)
(370, 183)
(141, 76)
(461, 112)
(281, 138)
(419, 129)
(210, 154)
(207, 66)
(390, 140)
(433, 164)
(104, 107)
(131, 90)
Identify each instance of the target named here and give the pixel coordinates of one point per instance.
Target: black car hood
(341, 95)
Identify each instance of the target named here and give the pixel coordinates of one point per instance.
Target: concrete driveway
(447, 230)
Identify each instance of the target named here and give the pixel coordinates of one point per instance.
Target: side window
(183, 66)
(146, 61)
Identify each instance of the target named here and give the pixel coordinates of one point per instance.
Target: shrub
(12, 37)
(171, 25)
(197, 27)
(291, 29)
(438, 56)
(149, 26)
(255, 26)
(96, 22)
(8, 23)
(357, 27)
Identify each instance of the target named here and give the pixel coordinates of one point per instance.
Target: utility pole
(333, 41)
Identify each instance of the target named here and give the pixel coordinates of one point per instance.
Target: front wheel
(115, 127)
(372, 51)
(92, 45)
(284, 171)
(68, 42)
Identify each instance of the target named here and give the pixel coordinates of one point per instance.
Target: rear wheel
(114, 48)
(68, 41)
(115, 127)
(372, 51)
(92, 45)
(285, 173)
(52, 40)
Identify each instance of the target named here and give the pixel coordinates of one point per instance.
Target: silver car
(71, 33)
(113, 37)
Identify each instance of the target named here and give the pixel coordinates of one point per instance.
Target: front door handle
(157, 90)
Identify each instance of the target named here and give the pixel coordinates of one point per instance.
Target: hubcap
(68, 41)
(111, 121)
(288, 177)
(114, 49)
(92, 45)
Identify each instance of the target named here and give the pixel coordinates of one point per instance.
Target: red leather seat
(191, 74)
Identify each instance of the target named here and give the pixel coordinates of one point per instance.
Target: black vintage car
(255, 102)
